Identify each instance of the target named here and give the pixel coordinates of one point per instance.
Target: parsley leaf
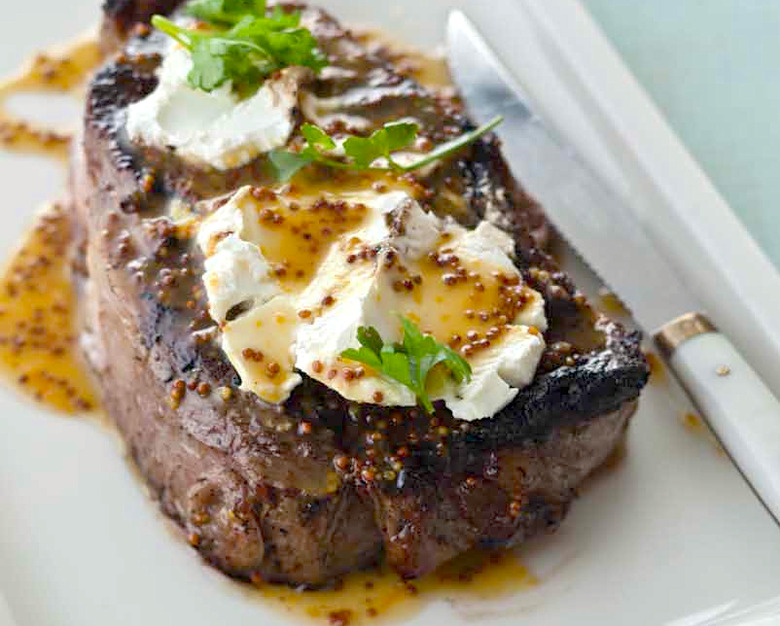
(409, 362)
(317, 138)
(242, 45)
(286, 164)
(226, 12)
(454, 145)
(216, 61)
(390, 138)
(362, 153)
(369, 337)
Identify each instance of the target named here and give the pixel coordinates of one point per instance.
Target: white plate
(672, 537)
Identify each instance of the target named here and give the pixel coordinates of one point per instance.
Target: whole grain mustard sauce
(39, 351)
(55, 72)
(38, 327)
(39, 354)
(376, 597)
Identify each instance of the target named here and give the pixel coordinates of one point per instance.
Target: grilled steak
(304, 492)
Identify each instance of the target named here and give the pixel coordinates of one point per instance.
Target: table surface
(710, 66)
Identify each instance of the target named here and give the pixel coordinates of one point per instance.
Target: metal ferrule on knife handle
(673, 334)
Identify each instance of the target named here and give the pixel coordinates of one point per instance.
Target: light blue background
(713, 68)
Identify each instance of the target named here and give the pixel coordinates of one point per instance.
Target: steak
(307, 491)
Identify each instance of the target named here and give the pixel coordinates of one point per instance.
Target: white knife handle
(738, 406)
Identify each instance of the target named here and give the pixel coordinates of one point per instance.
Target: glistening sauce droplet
(658, 373)
(611, 304)
(693, 422)
(430, 70)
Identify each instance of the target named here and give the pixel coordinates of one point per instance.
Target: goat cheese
(383, 256)
(213, 129)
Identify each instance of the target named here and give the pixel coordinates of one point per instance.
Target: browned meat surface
(310, 490)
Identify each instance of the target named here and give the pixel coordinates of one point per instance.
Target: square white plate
(673, 536)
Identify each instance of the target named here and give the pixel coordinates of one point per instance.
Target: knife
(740, 409)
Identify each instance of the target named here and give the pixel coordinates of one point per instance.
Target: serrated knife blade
(737, 404)
(592, 218)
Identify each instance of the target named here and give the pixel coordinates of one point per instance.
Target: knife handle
(735, 402)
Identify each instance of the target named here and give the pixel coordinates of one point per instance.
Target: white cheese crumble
(236, 271)
(213, 129)
(363, 294)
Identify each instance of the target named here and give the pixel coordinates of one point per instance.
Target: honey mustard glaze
(39, 351)
(430, 70)
(658, 374)
(380, 596)
(473, 304)
(296, 230)
(611, 304)
(300, 226)
(60, 72)
(38, 329)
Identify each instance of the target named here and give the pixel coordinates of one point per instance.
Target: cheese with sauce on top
(290, 279)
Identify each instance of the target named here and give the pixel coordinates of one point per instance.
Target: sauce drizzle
(38, 323)
(379, 596)
(430, 70)
(61, 72)
(38, 331)
(611, 304)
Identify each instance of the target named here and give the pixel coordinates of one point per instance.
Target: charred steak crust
(305, 492)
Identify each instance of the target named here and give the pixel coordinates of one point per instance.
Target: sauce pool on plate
(380, 596)
(62, 72)
(38, 331)
(39, 351)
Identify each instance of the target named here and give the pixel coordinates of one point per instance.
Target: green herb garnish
(362, 153)
(226, 12)
(409, 362)
(242, 45)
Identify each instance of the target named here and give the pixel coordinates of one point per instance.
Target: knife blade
(739, 407)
